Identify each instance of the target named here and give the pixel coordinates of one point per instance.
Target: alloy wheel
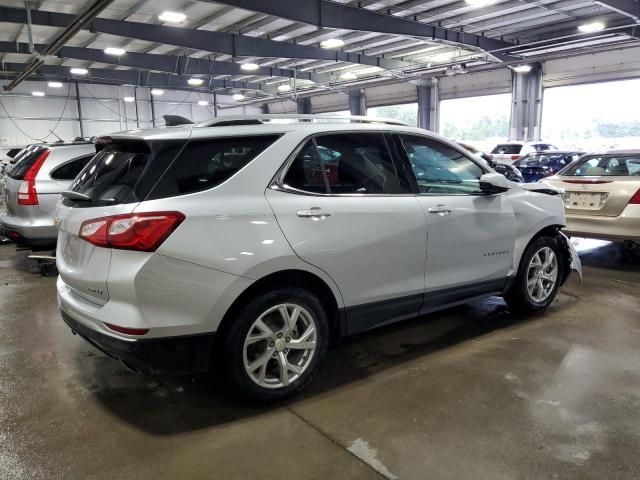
(280, 345)
(542, 274)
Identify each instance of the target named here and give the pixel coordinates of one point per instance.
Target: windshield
(24, 160)
(604, 165)
(507, 149)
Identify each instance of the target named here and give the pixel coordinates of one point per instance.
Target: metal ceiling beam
(219, 42)
(129, 77)
(329, 14)
(628, 8)
(75, 24)
(180, 65)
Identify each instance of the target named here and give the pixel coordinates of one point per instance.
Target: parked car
(509, 152)
(602, 196)
(182, 248)
(509, 171)
(32, 187)
(538, 165)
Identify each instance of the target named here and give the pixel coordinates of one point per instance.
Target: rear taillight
(143, 232)
(635, 200)
(515, 157)
(27, 194)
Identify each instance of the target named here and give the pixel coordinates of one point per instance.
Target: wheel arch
(552, 230)
(290, 277)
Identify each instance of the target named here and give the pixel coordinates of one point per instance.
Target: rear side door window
(346, 163)
(70, 170)
(441, 169)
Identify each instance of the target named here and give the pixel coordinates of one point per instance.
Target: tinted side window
(307, 171)
(440, 168)
(358, 163)
(203, 164)
(70, 170)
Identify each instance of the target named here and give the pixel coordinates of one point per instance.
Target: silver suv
(32, 186)
(252, 244)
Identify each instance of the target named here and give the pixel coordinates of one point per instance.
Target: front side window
(604, 165)
(345, 163)
(441, 169)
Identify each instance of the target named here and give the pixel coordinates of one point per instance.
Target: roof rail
(291, 118)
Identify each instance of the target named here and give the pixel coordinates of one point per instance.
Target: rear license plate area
(585, 200)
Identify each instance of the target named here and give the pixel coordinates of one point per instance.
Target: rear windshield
(604, 165)
(541, 158)
(507, 149)
(24, 160)
(133, 171)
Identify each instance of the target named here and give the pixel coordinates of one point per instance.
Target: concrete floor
(468, 393)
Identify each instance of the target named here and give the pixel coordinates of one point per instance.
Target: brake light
(515, 157)
(635, 200)
(27, 194)
(143, 232)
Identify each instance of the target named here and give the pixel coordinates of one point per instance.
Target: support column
(357, 102)
(304, 105)
(526, 104)
(153, 109)
(428, 104)
(79, 104)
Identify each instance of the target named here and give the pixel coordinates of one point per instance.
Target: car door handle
(313, 212)
(440, 210)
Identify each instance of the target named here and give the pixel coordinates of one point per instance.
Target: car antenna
(59, 139)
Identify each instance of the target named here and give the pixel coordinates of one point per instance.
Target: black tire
(518, 296)
(234, 342)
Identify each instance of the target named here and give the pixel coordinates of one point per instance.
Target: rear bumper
(25, 233)
(153, 356)
(625, 226)
(18, 237)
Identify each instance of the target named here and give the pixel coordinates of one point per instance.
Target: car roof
(556, 152)
(633, 151)
(203, 131)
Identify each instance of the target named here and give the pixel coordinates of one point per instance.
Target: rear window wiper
(80, 197)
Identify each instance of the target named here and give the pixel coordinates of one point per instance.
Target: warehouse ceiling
(275, 48)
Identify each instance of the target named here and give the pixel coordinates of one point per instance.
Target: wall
(103, 111)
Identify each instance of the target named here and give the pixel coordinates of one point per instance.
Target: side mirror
(492, 183)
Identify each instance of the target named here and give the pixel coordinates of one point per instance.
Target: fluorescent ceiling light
(481, 3)
(591, 27)
(157, 91)
(115, 51)
(37, 94)
(332, 43)
(284, 88)
(54, 84)
(348, 76)
(522, 68)
(238, 96)
(129, 99)
(249, 67)
(173, 17)
(203, 103)
(195, 81)
(79, 71)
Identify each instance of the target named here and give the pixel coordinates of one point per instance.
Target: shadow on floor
(171, 405)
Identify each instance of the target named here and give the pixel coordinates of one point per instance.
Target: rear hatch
(600, 184)
(112, 183)
(506, 152)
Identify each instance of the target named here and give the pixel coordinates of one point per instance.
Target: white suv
(510, 152)
(251, 244)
